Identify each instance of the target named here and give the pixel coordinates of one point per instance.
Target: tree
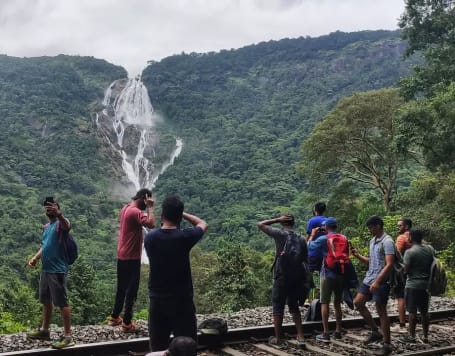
(428, 122)
(355, 141)
(429, 26)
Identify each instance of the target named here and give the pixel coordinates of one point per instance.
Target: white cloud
(129, 33)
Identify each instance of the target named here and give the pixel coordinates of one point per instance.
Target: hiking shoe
(408, 339)
(324, 337)
(114, 321)
(64, 341)
(39, 334)
(129, 328)
(385, 350)
(337, 335)
(374, 336)
(399, 329)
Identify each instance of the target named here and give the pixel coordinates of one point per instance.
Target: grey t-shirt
(418, 259)
(379, 247)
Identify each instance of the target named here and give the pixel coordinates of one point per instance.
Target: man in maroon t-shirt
(129, 251)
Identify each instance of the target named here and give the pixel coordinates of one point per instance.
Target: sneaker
(324, 337)
(114, 321)
(425, 340)
(39, 334)
(408, 339)
(374, 336)
(129, 328)
(385, 350)
(397, 328)
(64, 341)
(337, 335)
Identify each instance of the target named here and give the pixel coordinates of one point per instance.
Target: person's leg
(424, 306)
(293, 305)
(325, 294)
(134, 269)
(184, 321)
(402, 311)
(47, 313)
(360, 300)
(411, 306)
(66, 316)
(384, 321)
(338, 298)
(278, 303)
(122, 283)
(158, 324)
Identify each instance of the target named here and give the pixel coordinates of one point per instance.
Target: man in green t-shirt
(417, 261)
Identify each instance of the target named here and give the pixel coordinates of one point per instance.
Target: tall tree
(429, 121)
(355, 141)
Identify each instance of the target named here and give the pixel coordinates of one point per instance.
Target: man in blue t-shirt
(52, 285)
(170, 281)
(317, 219)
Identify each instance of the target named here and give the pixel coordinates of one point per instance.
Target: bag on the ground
(438, 279)
(337, 252)
(214, 331)
(314, 311)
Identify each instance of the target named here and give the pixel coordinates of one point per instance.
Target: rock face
(243, 318)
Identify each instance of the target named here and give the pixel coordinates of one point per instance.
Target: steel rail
(122, 347)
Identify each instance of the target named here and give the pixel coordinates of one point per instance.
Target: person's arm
(32, 262)
(262, 224)
(149, 203)
(196, 221)
(356, 254)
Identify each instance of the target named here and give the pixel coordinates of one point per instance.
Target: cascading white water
(132, 133)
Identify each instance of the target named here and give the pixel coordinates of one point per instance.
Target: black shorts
(170, 315)
(417, 300)
(283, 292)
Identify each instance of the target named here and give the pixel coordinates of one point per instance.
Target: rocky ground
(244, 318)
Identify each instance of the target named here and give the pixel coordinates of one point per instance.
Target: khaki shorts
(331, 286)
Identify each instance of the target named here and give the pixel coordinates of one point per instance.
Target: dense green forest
(259, 125)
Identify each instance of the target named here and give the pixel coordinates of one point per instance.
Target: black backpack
(291, 260)
(213, 332)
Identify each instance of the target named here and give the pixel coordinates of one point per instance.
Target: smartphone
(49, 201)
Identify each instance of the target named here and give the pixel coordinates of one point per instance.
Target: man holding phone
(52, 285)
(129, 252)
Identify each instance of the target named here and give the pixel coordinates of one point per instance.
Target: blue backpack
(69, 244)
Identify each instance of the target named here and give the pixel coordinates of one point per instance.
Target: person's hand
(374, 287)
(32, 262)
(148, 200)
(286, 218)
(52, 208)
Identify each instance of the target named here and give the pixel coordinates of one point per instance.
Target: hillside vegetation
(255, 123)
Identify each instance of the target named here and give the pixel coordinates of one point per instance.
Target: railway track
(252, 341)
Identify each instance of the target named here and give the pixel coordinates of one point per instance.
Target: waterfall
(131, 127)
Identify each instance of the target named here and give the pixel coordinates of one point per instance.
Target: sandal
(274, 342)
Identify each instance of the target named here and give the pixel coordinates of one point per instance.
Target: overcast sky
(131, 32)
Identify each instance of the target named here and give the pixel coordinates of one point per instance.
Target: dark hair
(416, 235)
(407, 222)
(141, 193)
(172, 209)
(375, 220)
(182, 346)
(320, 207)
(290, 222)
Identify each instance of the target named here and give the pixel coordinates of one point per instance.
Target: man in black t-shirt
(170, 282)
(284, 290)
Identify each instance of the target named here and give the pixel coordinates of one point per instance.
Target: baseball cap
(330, 222)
